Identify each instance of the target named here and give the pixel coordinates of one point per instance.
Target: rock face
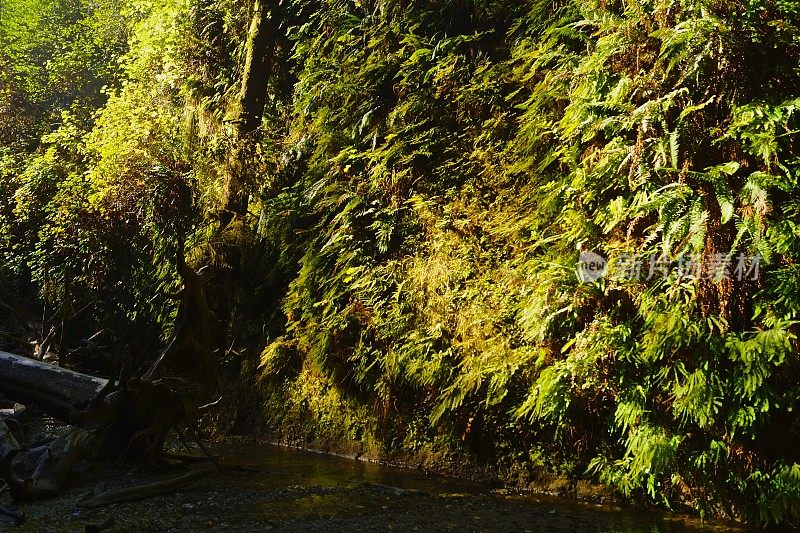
(55, 390)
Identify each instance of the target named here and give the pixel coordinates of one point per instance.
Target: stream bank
(280, 489)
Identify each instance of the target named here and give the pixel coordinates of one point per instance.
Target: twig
(13, 310)
(206, 452)
(15, 340)
(199, 459)
(210, 405)
(45, 345)
(183, 440)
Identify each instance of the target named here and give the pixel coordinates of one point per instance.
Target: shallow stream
(279, 489)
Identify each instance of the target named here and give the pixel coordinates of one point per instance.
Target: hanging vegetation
(385, 204)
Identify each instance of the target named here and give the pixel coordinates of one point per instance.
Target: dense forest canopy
(385, 204)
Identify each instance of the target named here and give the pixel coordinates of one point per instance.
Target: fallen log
(126, 418)
(142, 492)
(55, 390)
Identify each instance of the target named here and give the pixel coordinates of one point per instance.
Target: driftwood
(126, 417)
(129, 421)
(55, 390)
(143, 492)
(54, 466)
(189, 352)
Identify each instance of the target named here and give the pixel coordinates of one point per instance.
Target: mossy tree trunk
(249, 109)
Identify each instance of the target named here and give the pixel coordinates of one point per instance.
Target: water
(280, 489)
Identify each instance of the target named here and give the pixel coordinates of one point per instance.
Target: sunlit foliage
(424, 179)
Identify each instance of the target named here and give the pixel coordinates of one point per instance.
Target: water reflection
(461, 504)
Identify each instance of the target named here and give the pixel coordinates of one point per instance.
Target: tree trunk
(55, 390)
(250, 107)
